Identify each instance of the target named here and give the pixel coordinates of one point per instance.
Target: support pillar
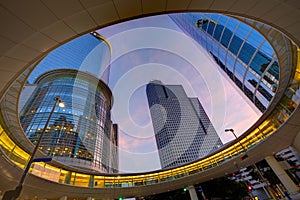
(282, 175)
(296, 143)
(91, 181)
(193, 193)
(63, 198)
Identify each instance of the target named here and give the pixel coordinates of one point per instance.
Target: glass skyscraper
(81, 134)
(89, 53)
(241, 52)
(182, 129)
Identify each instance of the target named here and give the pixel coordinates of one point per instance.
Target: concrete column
(282, 175)
(63, 198)
(296, 143)
(192, 192)
(91, 181)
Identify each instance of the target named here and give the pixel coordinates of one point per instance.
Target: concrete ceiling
(31, 28)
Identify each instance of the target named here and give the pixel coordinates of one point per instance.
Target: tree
(224, 188)
(180, 194)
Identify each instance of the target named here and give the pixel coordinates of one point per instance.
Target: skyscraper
(89, 53)
(241, 52)
(182, 129)
(81, 134)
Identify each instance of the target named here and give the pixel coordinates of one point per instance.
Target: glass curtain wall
(80, 133)
(241, 52)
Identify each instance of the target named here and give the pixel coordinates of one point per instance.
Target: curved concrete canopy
(32, 28)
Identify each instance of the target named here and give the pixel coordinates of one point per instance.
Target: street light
(14, 194)
(232, 131)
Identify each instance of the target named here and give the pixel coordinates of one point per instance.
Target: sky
(154, 48)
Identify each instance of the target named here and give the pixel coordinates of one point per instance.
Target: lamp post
(14, 194)
(232, 131)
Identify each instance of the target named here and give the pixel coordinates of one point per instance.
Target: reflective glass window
(210, 28)
(267, 49)
(266, 91)
(242, 31)
(240, 70)
(215, 47)
(209, 43)
(218, 32)
(261, 98)
(255, 38)
(222, 53)
(250, 83)
(246, 53)
(222, 20)
(232, 24)
(235, 44)
(260, 63)
(226, 37)
(230, 62)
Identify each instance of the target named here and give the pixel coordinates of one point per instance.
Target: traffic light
(120, 198)
(184, 189)
(249, 187)
(244, 157)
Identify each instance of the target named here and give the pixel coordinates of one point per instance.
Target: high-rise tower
(81, 134)
(241, 52)
(182, 129)
(89, 53)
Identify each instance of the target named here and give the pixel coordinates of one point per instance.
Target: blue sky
(154, 48)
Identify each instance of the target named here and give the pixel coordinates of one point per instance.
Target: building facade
(182, 129)
(289, 159)
(89, 53)
(240, 51)
(81, 134)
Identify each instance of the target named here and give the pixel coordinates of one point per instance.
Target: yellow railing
(19, 157)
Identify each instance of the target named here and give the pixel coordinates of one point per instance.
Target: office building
(289, 159)
(240, 51)
(88, 53)
(182, 129)
(81, 134)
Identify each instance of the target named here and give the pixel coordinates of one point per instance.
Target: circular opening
(221, 61)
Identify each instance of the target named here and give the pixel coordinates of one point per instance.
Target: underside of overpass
(31, 29)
